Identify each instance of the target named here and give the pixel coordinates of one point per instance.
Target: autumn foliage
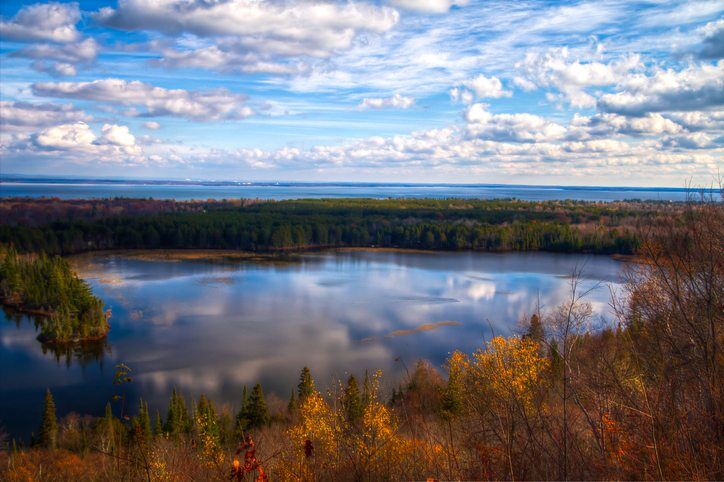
(641, 399)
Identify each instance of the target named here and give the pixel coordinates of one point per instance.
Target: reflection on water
(214, 327)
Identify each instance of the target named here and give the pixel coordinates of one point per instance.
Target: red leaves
(251, 463)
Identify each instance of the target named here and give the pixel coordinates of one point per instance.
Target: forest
(67, 227)
(638, 400)
(46, 286)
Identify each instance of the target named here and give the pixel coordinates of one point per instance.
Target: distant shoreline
(21, 180)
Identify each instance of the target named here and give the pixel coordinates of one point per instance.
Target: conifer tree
(142, 422)
(48, 433)
(352, 401)
(242, 418)
(158, 425)
(306, 384)
(257, 413)
(535, 330)
(292, 405)
(177, 419)
(206, 416)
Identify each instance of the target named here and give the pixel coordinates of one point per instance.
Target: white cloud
(152, 125)
(397, 101)
(522, 127)
(429, 6)
(157, 101)
(698, 87)
(53, 22)
(23, 116)
(695, 140)
(246, 35)
(67, 56)
(555, 69)
(117, 135)
(712, 43)
(66, 136)
(479, 87)
(606, 124)
(227, 58)
(486, 87)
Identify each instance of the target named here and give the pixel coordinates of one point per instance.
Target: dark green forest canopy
(47, 286)
(446, 224)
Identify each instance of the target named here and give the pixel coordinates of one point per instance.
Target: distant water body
(87, 189)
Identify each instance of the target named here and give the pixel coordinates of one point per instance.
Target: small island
(47, 287)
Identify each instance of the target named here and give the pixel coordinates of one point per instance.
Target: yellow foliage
(506, 369)
(372, 443)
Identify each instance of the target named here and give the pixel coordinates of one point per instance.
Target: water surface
(214, 327)
(224, 190)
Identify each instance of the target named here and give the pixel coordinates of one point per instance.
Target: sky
(599, 92)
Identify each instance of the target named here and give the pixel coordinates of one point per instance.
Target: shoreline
(281, 255)
(23, 310)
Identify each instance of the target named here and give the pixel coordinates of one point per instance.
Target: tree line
(417, 224)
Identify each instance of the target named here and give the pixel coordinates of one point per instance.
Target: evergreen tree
(177, 418)
(48, 433)
(109, 428)
(206, 418)
(352, 401)
(257, 413)
(292, 405)
(535, 331)
(142, 422)
(452, 396)
(306, 384)
(158, 425)
(242, 418)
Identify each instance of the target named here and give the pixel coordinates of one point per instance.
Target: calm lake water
(89, 189)
(214, 327)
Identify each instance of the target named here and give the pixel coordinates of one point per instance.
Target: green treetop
(48, 433)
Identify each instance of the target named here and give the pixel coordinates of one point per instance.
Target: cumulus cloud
(606, 124)
(116, 135)
(227, 57)
(67, 56)
(523, 127)
(712, 42)
(695, 140)
(397, 101)
(23, 116)
(480, 87)
(53, 22)
(78, 135)
(429, 6)
(571, 77)
(152, 125)
(157, 101)
(76, 142)
(247, 34)
(698, 87)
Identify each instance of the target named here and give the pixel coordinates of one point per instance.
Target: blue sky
(589, 92)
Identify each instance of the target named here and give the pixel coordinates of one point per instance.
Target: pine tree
(48, 433)
(535, 330)
(158, 425)
(242, 418)
(206, 417)
(292, 405)
(352, 401)
(452, 402)
(177, 418)
(306, 384)
(142, 423)
(257, 413)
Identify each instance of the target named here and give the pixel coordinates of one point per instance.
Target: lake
(213, 327)
(229, 190)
